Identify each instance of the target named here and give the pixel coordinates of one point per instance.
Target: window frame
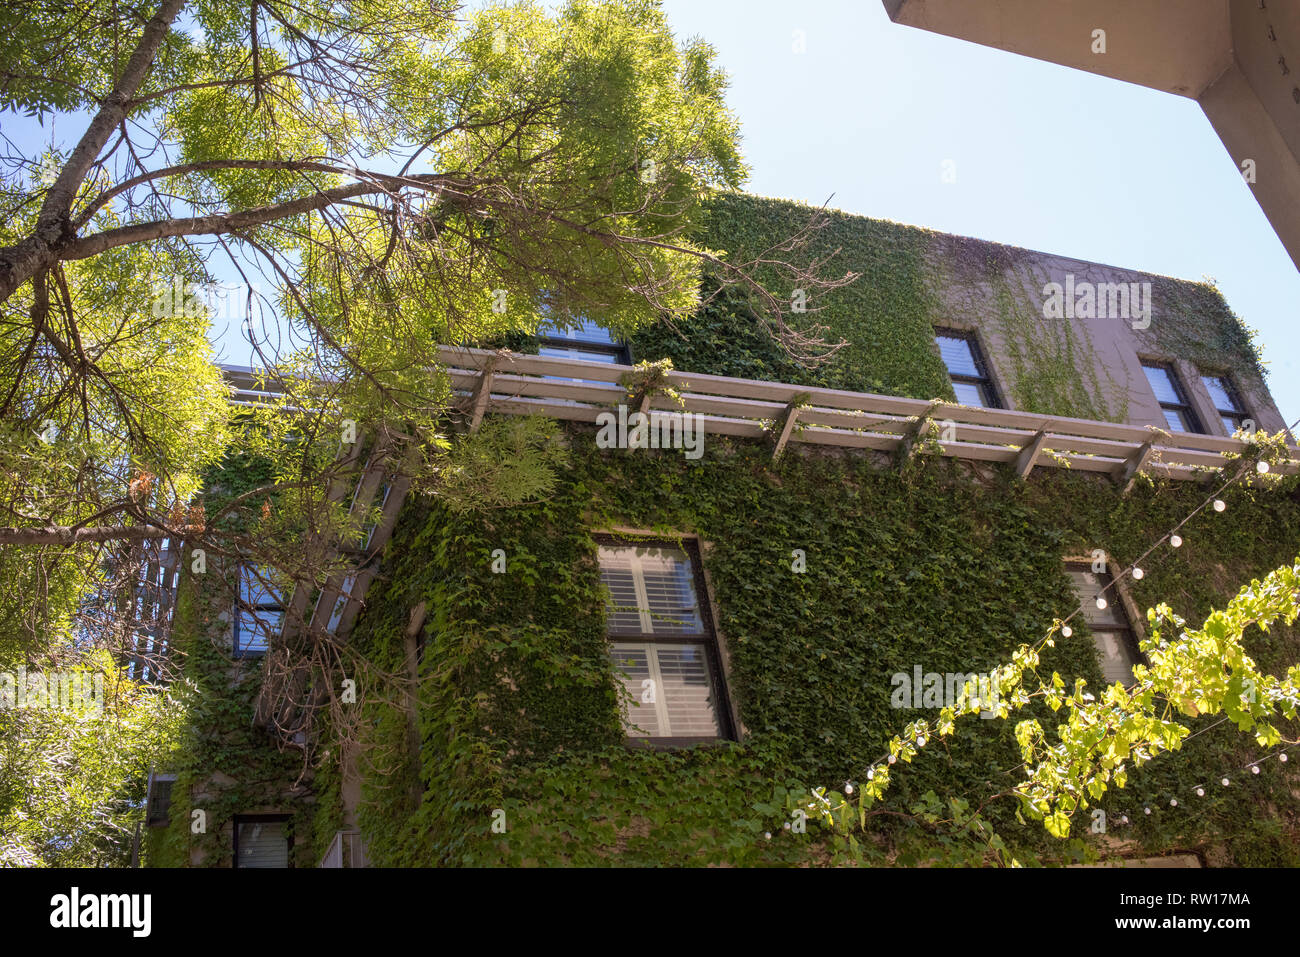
(984, 381)
(1241, 413)
(549, 336)
(708, 636)
(260, 819)
(1184, 403)
(163, 818)
(1126, 607)
(242, 607)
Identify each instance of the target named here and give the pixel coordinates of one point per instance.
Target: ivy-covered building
(749, 575)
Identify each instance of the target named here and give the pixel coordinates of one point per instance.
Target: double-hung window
(587, 341)
(1179, 415)
(158, 799)
(966, 368)
(1111, 630)
(663, 644)
(1226, 402)
(259, 612)
(263, 840)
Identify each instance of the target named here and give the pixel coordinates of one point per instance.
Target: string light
(1175, 541)
(1200, 788)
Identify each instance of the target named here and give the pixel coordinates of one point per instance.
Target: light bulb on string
(1138, 573)
(1254, 769)
(1261, 467)
(1200, 792)
(1101, 602)
(1225, 782)
(1173, 802)
(1067, 631)
(1176, 541)
(1282, 757)
(1219, 505)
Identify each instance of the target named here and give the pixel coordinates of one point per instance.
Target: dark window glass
(1111, 631)
(1232, 413)
(160, 799)
(966, 368)
(587, 341)
(258, 614)
(262, 842)
(1173, 400)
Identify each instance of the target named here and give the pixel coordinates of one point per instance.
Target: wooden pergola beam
(1028, 456)
(913, 435)
(482, 396)
(787, 427)
(1126, 476)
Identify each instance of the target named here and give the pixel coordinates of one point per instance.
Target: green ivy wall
(927, 566)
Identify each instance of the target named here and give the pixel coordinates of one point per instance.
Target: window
(262, 840)
(377, 503)
(1226, 402)
(966, 368)
(588, 342)
(159, 800)
(1172, 398)
(258, 614)
(341, 602)
(1110, 627)
(664, 648)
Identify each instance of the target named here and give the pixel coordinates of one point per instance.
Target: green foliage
(932, 568)
(72, 779)
(508, 461)
(224, 764)
(1201, 327)
(886, 316)
(912, 280)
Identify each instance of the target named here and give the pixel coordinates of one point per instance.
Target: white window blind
(653, 602)
(671, 695)
(652, 591)
(262, 844)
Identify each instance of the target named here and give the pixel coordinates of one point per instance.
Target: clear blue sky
(1047, 157)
